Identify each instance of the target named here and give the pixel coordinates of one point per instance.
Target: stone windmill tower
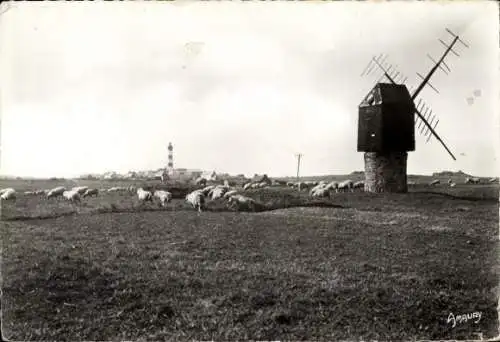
(386, 124)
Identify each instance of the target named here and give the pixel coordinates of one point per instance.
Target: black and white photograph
(249, 170)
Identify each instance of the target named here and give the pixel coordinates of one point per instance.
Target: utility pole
(299, 156)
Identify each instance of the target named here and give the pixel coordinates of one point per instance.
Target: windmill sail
(427, 128)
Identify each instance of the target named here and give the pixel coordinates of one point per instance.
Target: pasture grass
(384, 267)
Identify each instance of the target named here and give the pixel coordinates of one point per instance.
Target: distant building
(184, 173)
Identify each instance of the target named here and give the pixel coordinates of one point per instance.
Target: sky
(237, 87)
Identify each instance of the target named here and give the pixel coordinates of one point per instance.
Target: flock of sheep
(468, 180)
(74, 195)
(198, 198)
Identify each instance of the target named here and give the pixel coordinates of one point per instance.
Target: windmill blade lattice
(426, 128)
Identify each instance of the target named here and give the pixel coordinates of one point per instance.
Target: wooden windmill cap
(387, 93)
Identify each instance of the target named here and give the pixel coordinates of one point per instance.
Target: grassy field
(362, 266)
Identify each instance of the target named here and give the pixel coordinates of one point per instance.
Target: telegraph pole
(299, 157)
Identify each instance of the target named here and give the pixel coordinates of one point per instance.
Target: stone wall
(386, 172)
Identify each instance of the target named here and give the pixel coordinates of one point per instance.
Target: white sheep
(333, 186)
(8, 194)
(71, 195)
(201, 181)
(218, 192)
(301, 185)
(2, 191)
(90, 192)
(247, 186)
(453, 184)
(242, 202)
(80, 189)
(196, 199)
(347, 185)
(435, 182)
(144, 195)
(230, 193)
(359, 185)
(163, 196)
(316, 188)
(56, 192)
(116, 188)
(207, 190)
(321, 192)
(472, 180)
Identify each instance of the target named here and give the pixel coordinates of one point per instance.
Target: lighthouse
(170, 165)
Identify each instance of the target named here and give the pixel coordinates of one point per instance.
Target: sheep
(278, 182)
(347, 185)
(316, 188)
(242, 202)
(56, 192)
(452, 185)
(247, 186)
(201, 181)
(219, 188)
(207, 190)
(117, 188)
(90, 192)
(144, 196)
(163, 196)
(218, 192)
(230, 193)
(435, 182)
(472, 180)
(359, 185)
(333, 186)
(301, 185)
(80, 189)
(71, 195)
(2, 191)
(196, 199)
(8, 194)
(320, 192)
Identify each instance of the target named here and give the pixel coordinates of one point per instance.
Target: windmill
(387, 122)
